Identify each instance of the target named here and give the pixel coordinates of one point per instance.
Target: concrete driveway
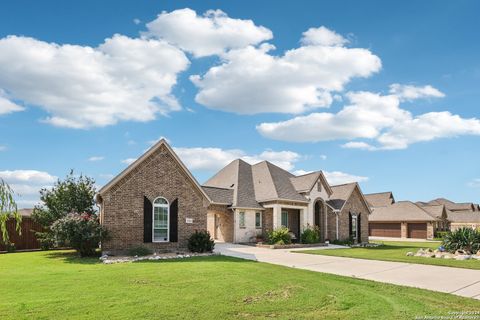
(462, 282)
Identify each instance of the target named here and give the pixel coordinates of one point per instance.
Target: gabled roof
(306, 182)
(380, 199)
(343, 192)
(436, 211)
(237, 175)
(145, 156)
(220, 195)
(400, 211)
(253, 184)
(464, 217)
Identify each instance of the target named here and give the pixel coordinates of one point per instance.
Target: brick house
(262, 197)
(157, 203)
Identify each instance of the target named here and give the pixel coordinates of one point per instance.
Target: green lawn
(57, 285)
(396, 251)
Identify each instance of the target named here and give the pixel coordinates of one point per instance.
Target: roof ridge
(306, 174)
(379, 192)
(343, 184)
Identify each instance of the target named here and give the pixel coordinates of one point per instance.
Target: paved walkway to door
(462, 282)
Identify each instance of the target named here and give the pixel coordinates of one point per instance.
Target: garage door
(385, 230)
(417, 230)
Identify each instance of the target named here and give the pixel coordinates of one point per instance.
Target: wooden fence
(27, 240)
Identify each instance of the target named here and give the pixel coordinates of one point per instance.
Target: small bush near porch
(59, 285)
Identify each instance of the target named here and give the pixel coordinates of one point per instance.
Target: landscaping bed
(397, 251)
(59, 285)
(291, 245)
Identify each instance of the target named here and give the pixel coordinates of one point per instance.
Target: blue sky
(383, 93)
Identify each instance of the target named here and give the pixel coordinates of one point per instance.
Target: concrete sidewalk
(462, 282)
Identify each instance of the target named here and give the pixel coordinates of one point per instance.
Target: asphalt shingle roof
(381, 199)
(340, 195)
(400, 211)
(219, 195)
(252, 184)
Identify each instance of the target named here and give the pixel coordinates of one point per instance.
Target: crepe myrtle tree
(8, 210)
(72, 194)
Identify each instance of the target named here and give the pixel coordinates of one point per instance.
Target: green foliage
(310, 234)
(139, 251)
(466, 239)
(200, 241)
(11, 247)
(8, 210)
(440, 234)
(82, 232)
(279, 236)
(71, 195)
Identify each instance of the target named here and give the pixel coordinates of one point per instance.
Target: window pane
(258, 219)
(285, 219)
(160, 217)
(353, 232)
(160, 201)
(160, 234)
(242, 219)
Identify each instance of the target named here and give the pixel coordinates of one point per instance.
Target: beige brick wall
(224, 228)
(159, 175)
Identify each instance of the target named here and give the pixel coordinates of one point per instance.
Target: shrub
(139, 251)
(310, 235)
(10, 247)
(466, 239)
(82, 232)
(200, 241)
(441, 234)
(281, 234)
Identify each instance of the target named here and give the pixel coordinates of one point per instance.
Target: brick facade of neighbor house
(158, 175)
(354, 204)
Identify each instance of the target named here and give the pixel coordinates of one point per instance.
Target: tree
(71, 195)
(8, 210)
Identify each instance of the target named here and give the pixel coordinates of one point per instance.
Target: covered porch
(292, 216)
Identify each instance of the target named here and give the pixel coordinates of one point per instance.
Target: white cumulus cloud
(410, 92)
(7, 106)
(80, 86)
(27, 184)
(338, 177)
(213, 159)
(250, 80)
(372, 116)
(210, 34)
(323, 36)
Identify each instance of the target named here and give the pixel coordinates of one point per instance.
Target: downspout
(336, 218)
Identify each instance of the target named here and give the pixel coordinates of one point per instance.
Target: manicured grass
(57, 285)
(396, 251)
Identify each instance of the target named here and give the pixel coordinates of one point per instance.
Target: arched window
(161, 220)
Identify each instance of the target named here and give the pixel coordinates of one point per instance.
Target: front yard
(396, 251)
(57, 285)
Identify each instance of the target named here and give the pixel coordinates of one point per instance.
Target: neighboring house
(402, 219)
(157, 203)
(441, 215)
(453, 206)
(460, 219)
(262, 197)
(27, 239)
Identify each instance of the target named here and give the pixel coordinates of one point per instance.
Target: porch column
(303, 219)
(277, 216)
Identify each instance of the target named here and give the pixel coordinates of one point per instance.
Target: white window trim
(153, 219)
(261, 220)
